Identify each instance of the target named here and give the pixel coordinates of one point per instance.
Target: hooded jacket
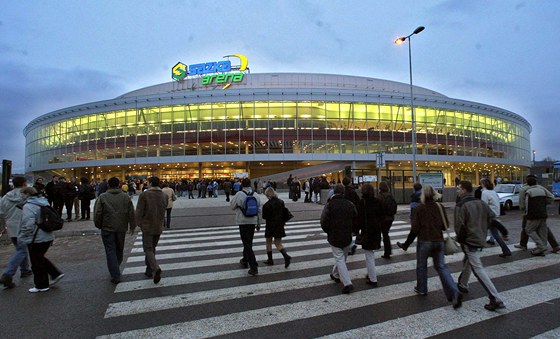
(31, 215)
(114, 211)
(10, 213)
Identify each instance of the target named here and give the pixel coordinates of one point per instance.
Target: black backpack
(51, 221)
(389, 204)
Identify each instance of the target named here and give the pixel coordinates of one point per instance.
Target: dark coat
(150, 211)
(336, 221)
(273, 214)
(369, 219)
(427, 223)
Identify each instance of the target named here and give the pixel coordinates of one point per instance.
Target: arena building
(217, 124)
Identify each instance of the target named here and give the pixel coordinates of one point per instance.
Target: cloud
(29, 92)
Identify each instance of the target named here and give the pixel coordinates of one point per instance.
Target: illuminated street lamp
(399, 41)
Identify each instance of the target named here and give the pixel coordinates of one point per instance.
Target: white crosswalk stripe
(202, 271)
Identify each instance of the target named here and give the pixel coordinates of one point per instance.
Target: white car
(508, 194)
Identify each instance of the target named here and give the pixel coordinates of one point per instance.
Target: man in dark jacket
(336, 221)
(150, 215)
(472, 217)
(114, 215)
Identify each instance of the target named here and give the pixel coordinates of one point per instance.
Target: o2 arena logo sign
(217, 72)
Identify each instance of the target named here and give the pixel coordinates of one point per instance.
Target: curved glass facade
(184, 128)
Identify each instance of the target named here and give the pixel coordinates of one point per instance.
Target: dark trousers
(84, 207)
(385, 227)
(168, 217)
(58, 205)
(524, 237)
(247, 233)
(42, 267)
(114, 248)
(149, 244)
(227, 196)
(69, 204)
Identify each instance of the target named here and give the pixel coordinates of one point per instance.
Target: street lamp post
(399, 41)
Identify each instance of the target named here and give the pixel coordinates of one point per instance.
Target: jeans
(434, 249)
(168, 218)
(339, 269)
(149, 244)
(42, 267)
(19, 259)
(247, 233)
(472, 262)
(496, 235)
(114, 247)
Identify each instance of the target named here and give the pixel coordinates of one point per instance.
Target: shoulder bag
(451, 246)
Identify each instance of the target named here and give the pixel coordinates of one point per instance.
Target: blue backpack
(250, 206)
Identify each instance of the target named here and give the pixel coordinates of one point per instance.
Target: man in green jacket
(114, 215)
(150, 216)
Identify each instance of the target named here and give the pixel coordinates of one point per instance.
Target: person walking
(390, 209)
(247, 225)
(114, 215)
(307, 190)
(10, 218)
(227, 186)
(50, 189)
(86, 194)
(428, 223)
(76, 185)
(273, 213)
(533, 203)
(69, 193)
(490, 197)
(150, 217)
(415, 197)
(171, 197)
(336, 221)
(472, 217)
(37, 242)
(369, 221)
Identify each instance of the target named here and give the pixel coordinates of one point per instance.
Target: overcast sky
(56, 54)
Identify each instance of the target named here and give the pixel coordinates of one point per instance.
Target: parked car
(509, 195)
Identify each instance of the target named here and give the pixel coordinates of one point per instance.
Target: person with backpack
(390, 209)
(37, 241)
(10, 216)
(248, 213)
(86, 194)
(114, 215)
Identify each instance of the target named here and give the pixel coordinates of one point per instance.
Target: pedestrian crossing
(204, 292)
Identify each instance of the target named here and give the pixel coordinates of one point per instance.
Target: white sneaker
(35, 289)
(57, 279)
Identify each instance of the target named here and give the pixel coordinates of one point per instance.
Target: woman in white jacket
(37, 241)
(490, 197)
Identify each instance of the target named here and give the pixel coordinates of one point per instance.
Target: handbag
(286, 214)
(451, 246)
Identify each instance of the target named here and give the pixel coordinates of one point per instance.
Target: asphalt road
(203, 291)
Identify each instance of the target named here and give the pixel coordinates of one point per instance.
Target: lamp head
(400, 40)
(418, 30)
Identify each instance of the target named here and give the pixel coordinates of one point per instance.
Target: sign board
(213, 73)
(370, 178)
(379, 161)
(241, 175)
(433, 179)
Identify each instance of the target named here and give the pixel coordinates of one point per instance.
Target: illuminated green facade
(296, 118)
